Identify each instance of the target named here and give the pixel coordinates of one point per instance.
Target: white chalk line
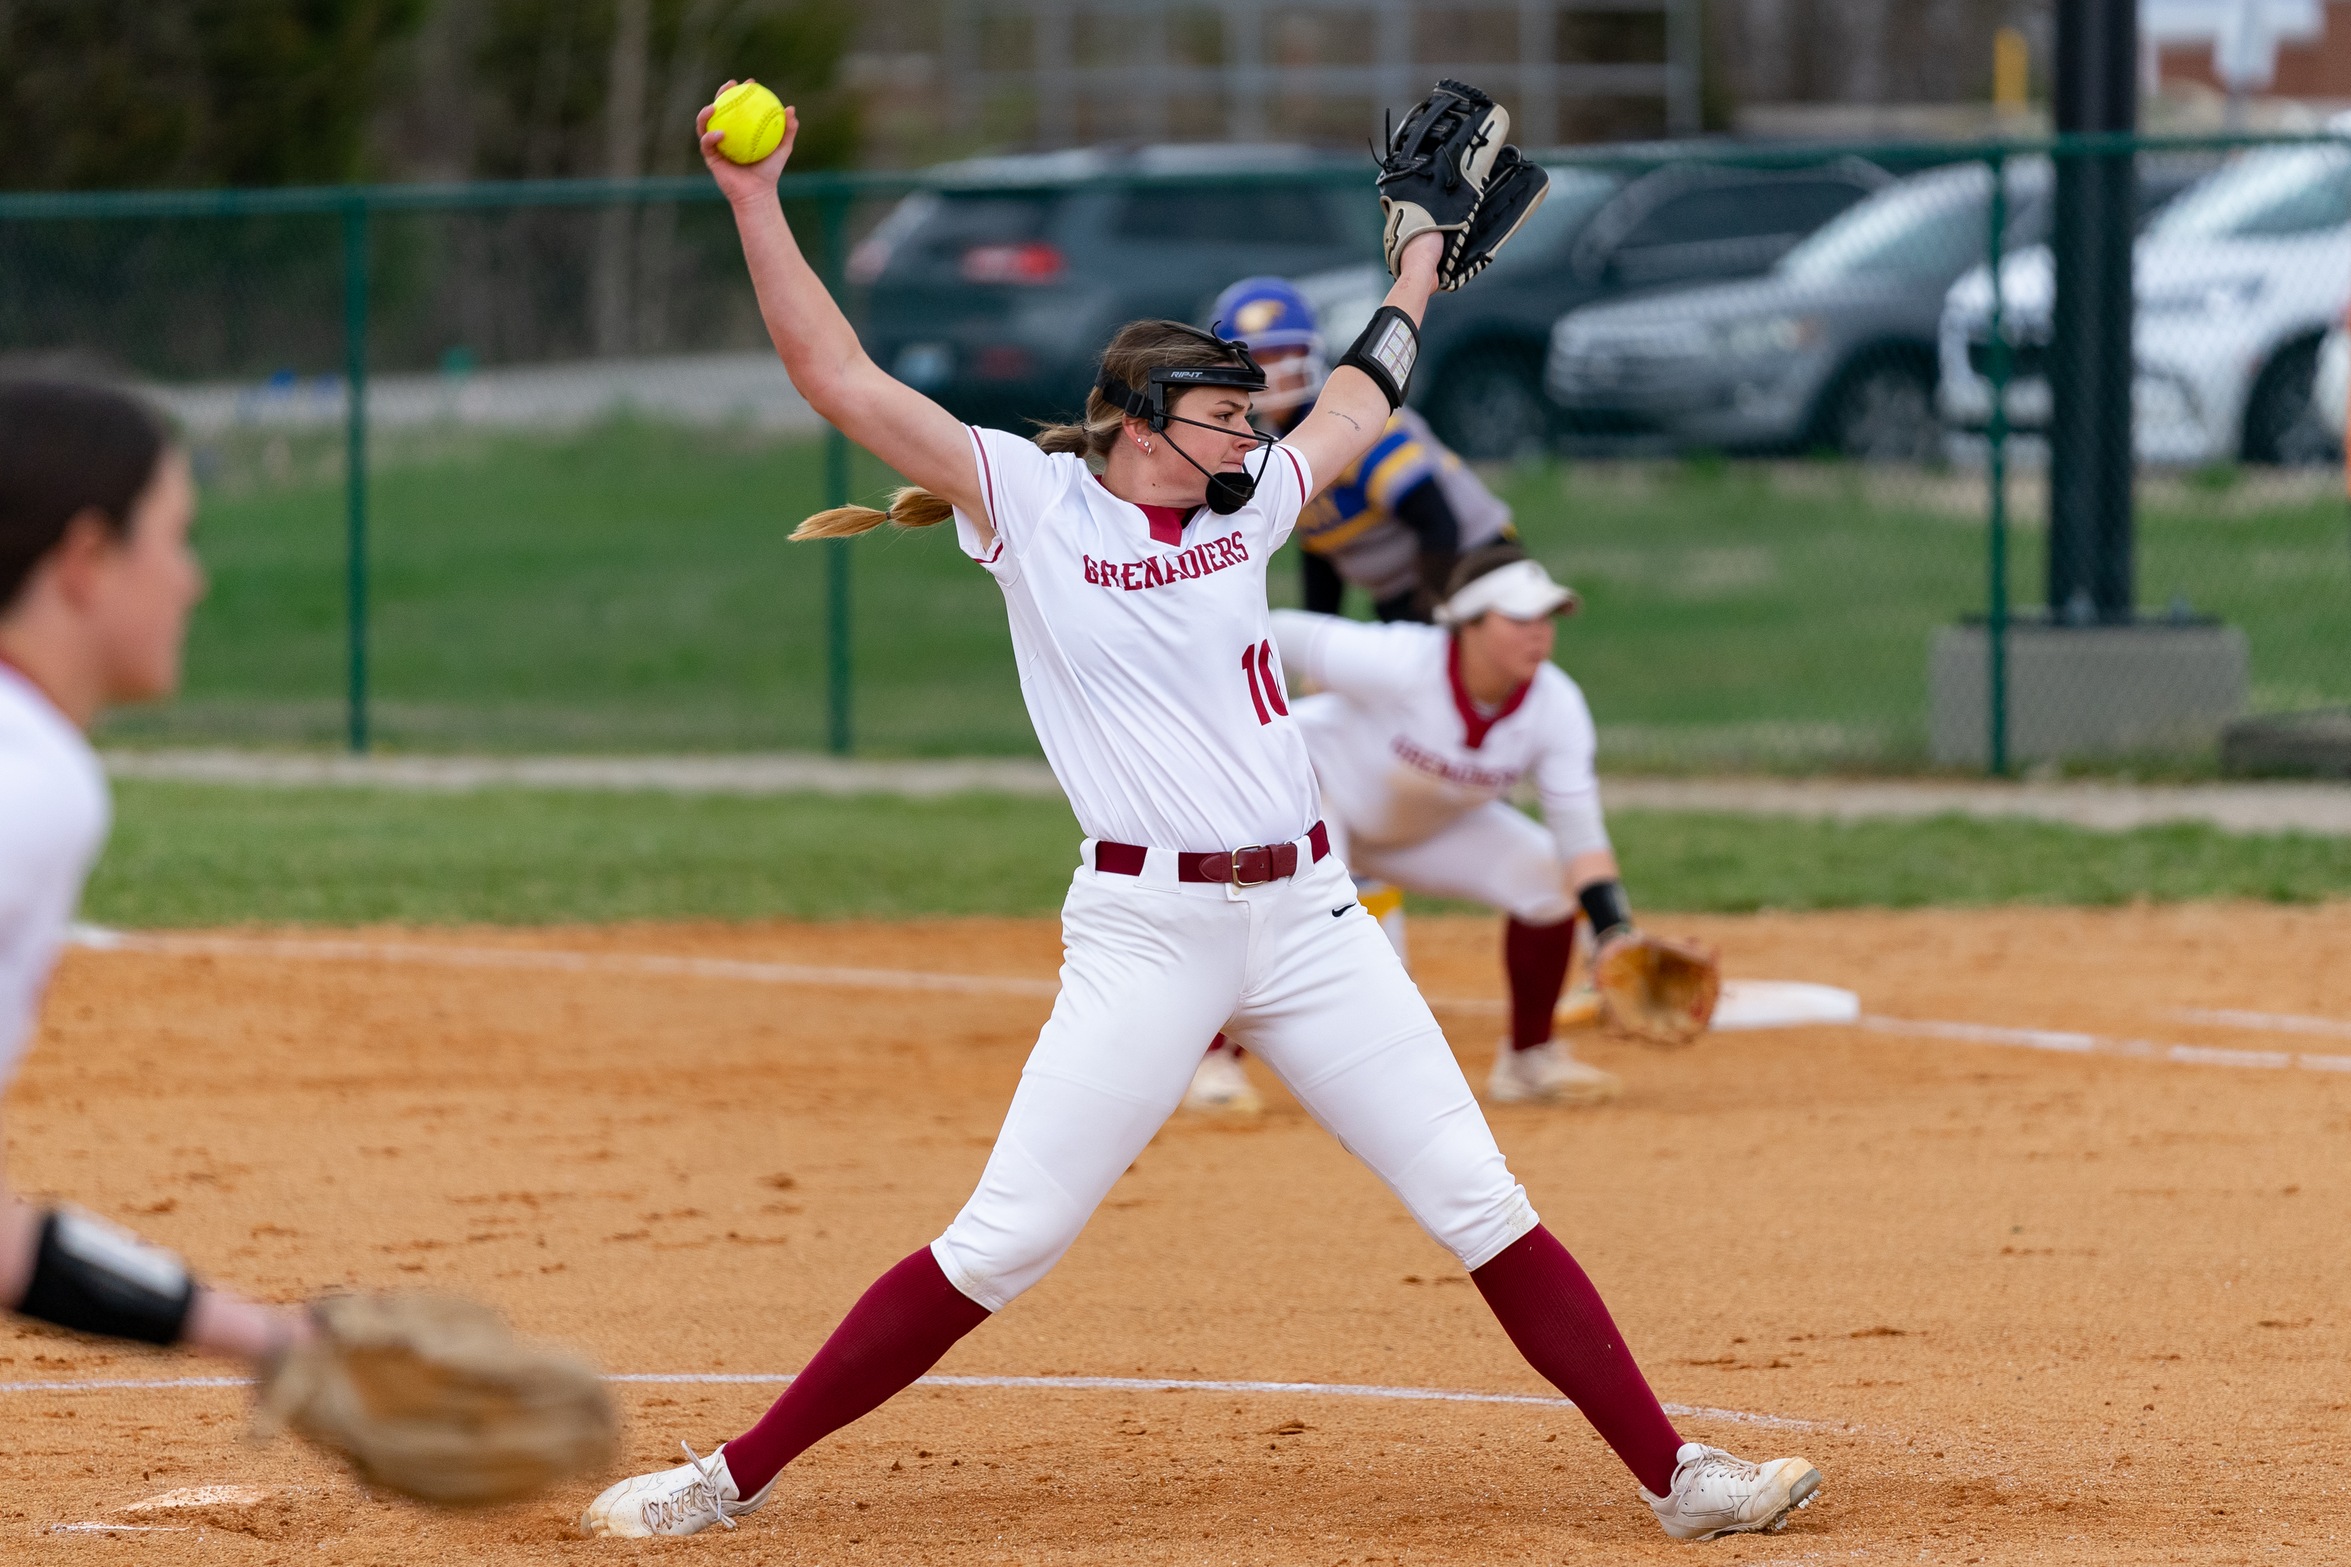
(2066, 1042)
(121, 1528)
(560, 961)
(1431, 1395)
(2271, 1022)
(577, 962)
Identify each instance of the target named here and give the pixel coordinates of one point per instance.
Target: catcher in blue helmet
(1392, 525)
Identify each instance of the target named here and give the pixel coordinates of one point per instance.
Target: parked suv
(2237, 282)
(994, 291)
(1604, 232)
(1834, 348)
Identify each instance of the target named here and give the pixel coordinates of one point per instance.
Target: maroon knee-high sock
(897, 1331)
(1557, 1320)
(1535, 956)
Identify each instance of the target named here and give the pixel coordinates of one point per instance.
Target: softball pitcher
(1131, 551)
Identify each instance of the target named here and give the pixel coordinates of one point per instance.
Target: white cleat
(1547, 1074)
(1220, 1087)
(1715, 1494)
(1579, 1008)
(684, 1500)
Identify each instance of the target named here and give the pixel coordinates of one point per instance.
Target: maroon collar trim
(1166, 522)
(1475, 725)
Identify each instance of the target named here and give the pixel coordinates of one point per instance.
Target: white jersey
(1146, 655)
(53, 819)
(1402, 751)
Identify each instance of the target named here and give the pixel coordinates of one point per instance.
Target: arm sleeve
(1348, 656)
(1429, 514)
(1320, 584)
(1564, 776)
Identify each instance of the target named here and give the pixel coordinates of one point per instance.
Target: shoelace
(1718, 1462)
(718, 1503)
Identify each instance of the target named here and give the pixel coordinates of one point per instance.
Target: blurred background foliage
(142, 94)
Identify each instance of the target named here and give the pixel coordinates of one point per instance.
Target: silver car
(2236, 284)
(1833, 348)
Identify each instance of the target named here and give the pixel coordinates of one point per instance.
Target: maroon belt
(1250, 867)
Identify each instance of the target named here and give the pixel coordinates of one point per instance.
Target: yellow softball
(753, 119)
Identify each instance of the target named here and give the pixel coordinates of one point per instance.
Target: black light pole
(2096, 89)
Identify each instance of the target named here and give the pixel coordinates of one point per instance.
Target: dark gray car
(995, 291)
(1833, 349)
(1604, 232)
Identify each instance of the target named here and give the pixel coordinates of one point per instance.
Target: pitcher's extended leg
(1552, 1313)
(897, 1331)
(1333, 1013)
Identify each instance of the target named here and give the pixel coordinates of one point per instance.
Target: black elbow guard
(1386, 350)
(93, 1278)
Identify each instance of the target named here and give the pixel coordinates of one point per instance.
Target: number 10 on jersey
(1265, 689)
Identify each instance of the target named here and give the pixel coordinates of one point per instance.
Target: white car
(2333, 391)
(2237, 282)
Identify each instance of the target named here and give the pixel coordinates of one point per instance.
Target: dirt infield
(2019, 1305)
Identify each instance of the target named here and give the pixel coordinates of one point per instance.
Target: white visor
(1522, 590)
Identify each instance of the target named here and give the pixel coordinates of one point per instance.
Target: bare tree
(624, 158)
(685, 84)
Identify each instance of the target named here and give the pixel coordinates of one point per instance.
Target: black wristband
(93, 1278)
(1606, 906)
(1386, 350)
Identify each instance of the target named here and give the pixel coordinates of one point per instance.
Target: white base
(1782, 1003)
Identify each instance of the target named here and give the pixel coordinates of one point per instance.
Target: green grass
(193, 855)
(630, 589)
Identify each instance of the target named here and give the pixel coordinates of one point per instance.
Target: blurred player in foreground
(97, 577)
(1131, 551)
(1391, 526)
(96, 582)
(1419, 733)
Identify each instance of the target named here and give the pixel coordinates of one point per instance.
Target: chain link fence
(510, 467)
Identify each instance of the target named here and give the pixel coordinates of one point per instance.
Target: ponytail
(910, 507)
(1076, 440)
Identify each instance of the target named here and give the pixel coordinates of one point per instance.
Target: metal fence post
(840, 732)
(1996, 432)
(355, 585)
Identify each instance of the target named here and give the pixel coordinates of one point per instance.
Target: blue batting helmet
(1267, 313)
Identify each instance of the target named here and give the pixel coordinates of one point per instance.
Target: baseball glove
(1434, 173)
(1657, 989)
(436, 1398)
(1514, 189)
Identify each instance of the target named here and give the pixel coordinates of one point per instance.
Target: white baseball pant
(1490, 854)
(1296, 971)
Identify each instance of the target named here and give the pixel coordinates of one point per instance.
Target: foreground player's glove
(436, 1398)
(1658, 989)
(1442, 166)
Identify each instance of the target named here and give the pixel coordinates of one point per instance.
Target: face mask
(1227, 492)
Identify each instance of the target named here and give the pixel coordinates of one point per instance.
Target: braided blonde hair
(1139, 348)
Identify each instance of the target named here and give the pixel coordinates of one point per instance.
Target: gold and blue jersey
(1353, 523)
